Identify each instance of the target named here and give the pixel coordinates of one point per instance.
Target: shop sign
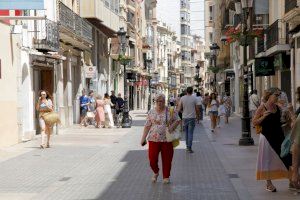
(22, 5)
(90, 71)
(131, 77)
(264, 66)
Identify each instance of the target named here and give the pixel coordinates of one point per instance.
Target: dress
(100, 116)
(269, 164)
(108, 114)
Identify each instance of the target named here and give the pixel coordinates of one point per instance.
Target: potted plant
(236, 34)
(124, 60)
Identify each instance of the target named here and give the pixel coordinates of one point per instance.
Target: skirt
(269, 165)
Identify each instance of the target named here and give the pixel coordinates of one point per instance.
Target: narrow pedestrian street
(109, 164)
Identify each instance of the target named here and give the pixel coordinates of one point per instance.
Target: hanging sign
(90, 71)
(264, 66)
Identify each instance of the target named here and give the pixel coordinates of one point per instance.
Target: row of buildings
(272, 57)
(65, 46)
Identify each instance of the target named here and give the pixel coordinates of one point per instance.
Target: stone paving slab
(80, 166)
(109, 164)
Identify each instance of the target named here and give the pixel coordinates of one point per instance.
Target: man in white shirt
(188, 105)
(254, 103)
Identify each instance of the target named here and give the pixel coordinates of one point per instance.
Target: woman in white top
(213, 110)
(44, 106)
(107, 111)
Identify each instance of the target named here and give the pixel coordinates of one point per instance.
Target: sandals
(294, 186)
(154, 178)
(166, 181)
(271, 188)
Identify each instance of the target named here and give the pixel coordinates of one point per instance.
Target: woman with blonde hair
(100, 116)
(270, 165)
(159, 121)
(44, 106)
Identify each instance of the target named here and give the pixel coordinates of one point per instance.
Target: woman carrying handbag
(157, 124)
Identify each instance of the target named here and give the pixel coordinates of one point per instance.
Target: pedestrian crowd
(272, 116)
(100, 111)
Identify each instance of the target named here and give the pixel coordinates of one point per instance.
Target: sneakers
(189, 150)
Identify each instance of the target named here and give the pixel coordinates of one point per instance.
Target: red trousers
(167, 151)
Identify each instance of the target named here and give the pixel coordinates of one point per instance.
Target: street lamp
(148, 63)
(197, 78)
(246, 138)
(214, 53)
(123, 41)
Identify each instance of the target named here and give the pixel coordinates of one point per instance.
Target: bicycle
(120, 119)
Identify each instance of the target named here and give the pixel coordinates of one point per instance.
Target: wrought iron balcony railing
(276, 34)
(47, 38)
(290, 5)
(74, 23)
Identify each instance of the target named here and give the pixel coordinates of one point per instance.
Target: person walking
(200, 106)
(188, 105)
(119, 104)
(157, 123)
(84, 102)
(44, 106)
(295, 135)
(270, 165)
(227, 105)
(213, 105)
(109, 122)
(100, 116)
(205, 102)
(254, 103)
(90, 117)
(113, 99)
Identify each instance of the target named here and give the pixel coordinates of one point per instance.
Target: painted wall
(8, 88)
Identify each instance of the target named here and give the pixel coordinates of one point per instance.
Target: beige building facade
(8, 86)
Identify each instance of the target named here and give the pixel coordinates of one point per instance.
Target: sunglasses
(43, 93)
(160, 101)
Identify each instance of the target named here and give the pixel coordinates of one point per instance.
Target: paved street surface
(109, 164)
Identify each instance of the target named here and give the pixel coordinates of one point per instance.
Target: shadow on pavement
(192, 179)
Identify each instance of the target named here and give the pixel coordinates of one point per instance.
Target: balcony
(131, 4)
(47, 38)
(260, 45)
(292, 12)
(290, 5)
(73, 25)
(104, 16)
(276, 38)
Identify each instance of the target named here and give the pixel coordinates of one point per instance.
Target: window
(106, 3)
(117, 5)
(211, 14)
(211, 37)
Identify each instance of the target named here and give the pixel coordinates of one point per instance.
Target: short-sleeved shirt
(199, 100)
(157, 121)
(84, 100)
(188, 105)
